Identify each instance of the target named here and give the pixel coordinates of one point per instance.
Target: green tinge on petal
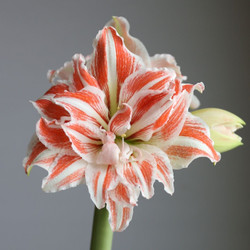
(117, 25)
(223, 143)
(214, 116)
(222, 125)
(29, 170)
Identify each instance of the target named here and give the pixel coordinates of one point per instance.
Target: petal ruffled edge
(111, 63)
(133, 44)
(67, 171)
(39, 155)
(100, 179)
(119, 215)
(193, 142)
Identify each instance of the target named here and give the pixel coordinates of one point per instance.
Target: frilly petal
(119, 215)
(193, 142)
(85, 105)
(164, 171)
(133, 44)
(81, 77)
(111, 64)
(120, 122)
(100, 179)
(168, 61)
(46, 106)
(53, 137)
(145, 79)
(38, 155)
(66, 171)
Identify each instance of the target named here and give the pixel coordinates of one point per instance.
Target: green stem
(101, 233)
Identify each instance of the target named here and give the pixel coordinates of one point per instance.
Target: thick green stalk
(101, 233)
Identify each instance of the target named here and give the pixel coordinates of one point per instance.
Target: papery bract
(117, 121)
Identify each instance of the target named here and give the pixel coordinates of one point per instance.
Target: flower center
(110, 152)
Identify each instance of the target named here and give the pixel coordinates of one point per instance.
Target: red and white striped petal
(120, 122)
(38, 155)
(175, 121)
(86, 105)
(193, 142)
(125, 194)
(133, 44)
(195, 103)
(53, 137)
(46, 106)
(100, 179)
(140, 172)
(119, 215)
(148, 106)
(66, 171)
(164, 171)
(85, 139)
(81, 77)
(190, 88)
(168, 61)
(111, 64)
(145, 79)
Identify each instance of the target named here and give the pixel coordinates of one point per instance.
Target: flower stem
(101, 233)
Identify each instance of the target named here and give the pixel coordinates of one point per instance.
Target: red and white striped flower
(117, 122)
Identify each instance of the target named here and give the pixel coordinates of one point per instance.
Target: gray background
(210, 206)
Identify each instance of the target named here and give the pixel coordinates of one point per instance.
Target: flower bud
(222, 125)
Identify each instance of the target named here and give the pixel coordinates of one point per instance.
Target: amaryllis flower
(117, 123)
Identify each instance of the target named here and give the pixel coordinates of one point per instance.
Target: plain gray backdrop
(210, 41)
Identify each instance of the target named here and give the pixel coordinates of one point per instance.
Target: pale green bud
(222, 125)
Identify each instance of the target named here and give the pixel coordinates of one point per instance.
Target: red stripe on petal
(176, 118)
(193, 128)
(36, 150)
(62, 163)
(109, 178)
(162, 120)
(129, 174)
(190, 87)
(99, 65)
(112, 63)
(87, 150)
(185, 152)
(120, 122)
(74, 177)
(81, 77)
(126, 62)
(95, 183)
(53, 136)
(194, 141)
(112, 213)
(76, 103)
(57, 89)
(144, 79)
(119, 215)
(164, 171)
(46, 161)
(125, 218)
(145, 103)
(121, 193)
(88, 130)
(146, 170)
(51, 110)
